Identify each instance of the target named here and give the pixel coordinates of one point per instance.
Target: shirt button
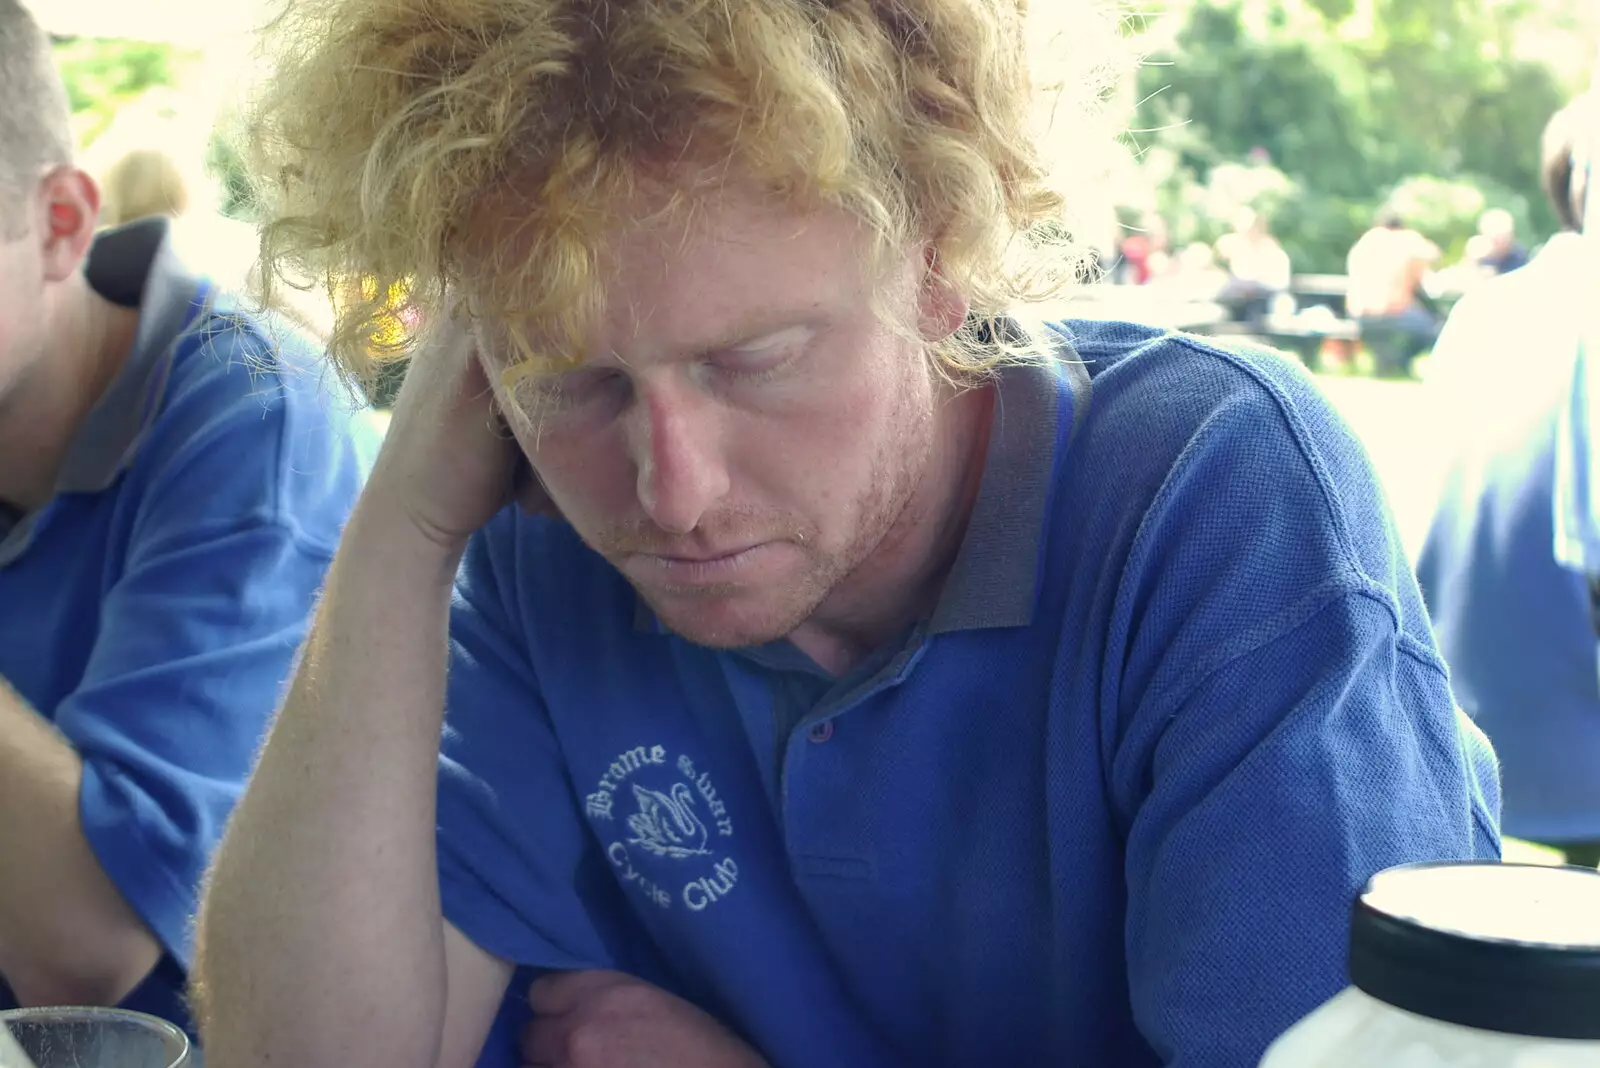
(821, 732)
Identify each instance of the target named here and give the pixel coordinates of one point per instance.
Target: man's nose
(674, 436)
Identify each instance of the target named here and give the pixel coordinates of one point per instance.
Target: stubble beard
(885, 513)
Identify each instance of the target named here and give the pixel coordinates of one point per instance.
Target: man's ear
(70, 201)
(940, 308)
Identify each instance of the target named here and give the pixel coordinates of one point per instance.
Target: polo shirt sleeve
(197, 634)
(1576, 496)
(1285, 727)
(519, 873)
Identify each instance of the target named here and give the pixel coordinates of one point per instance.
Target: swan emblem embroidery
(666, 823)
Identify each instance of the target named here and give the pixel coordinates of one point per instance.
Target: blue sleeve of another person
(1285, 728)
(1577, 475)
(241, 489)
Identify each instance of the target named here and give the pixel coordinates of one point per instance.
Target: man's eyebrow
(760, 325)
(754, 328)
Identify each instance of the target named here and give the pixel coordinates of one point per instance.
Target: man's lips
(700, 558)
(695, 567)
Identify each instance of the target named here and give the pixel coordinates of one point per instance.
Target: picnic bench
(1304, 336)
(1315, 327)
(1320, 323)
(1315, 322)
(1320, 291)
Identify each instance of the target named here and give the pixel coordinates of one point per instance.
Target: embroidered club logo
(667, 851)
(666, 823)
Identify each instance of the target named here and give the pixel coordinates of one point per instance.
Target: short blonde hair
(431, 146)
(141, 183)
(35, 132)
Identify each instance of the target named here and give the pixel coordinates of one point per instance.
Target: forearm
(321, 932)
(66, 933)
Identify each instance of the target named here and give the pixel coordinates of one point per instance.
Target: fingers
(548, 1041)
(444, 363)
(558, 993)
(544, 1042)
(604, 1019)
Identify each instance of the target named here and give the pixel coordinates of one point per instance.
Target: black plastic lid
(1501, 947)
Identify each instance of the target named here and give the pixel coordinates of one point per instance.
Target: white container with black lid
(1463, 965)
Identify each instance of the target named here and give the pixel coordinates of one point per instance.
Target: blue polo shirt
(1512, 619)
(1107, 804)
(152, 608)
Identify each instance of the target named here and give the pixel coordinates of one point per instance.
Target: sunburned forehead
(677, 276)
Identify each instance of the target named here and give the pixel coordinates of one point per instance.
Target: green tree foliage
(1349, 112)
(102, 76)
(1229, 91)
(225, 163)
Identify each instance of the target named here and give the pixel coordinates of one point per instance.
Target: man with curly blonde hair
(869, 676)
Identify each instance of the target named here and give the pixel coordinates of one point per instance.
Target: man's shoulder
(1368, 240)
(1218, 486)
(1154, 387)
(237, 350)
(1170, 412)
(1509, 344)
(1491, 314)
(1556, 280)
(237, 371)
(246, 418)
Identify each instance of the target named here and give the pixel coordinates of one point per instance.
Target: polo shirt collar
(134, 266)
(137, 258)
(993, 581)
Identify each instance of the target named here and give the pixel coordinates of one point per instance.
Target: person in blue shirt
(865, 676)
(1516, 621)
(174, 475)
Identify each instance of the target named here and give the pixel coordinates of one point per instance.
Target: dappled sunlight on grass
(1409, 448)
(1520, 852)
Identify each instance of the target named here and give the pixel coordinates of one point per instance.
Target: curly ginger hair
(434, 147)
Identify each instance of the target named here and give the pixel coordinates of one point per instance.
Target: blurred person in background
(141, 183)
(144, 182)
(1258, 267)
(174, 475)
(1516, 624)
(1145, 252)
(755, 644)
(1499, 252)
(1386, 269)
(150, 162)
(1196, 275)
